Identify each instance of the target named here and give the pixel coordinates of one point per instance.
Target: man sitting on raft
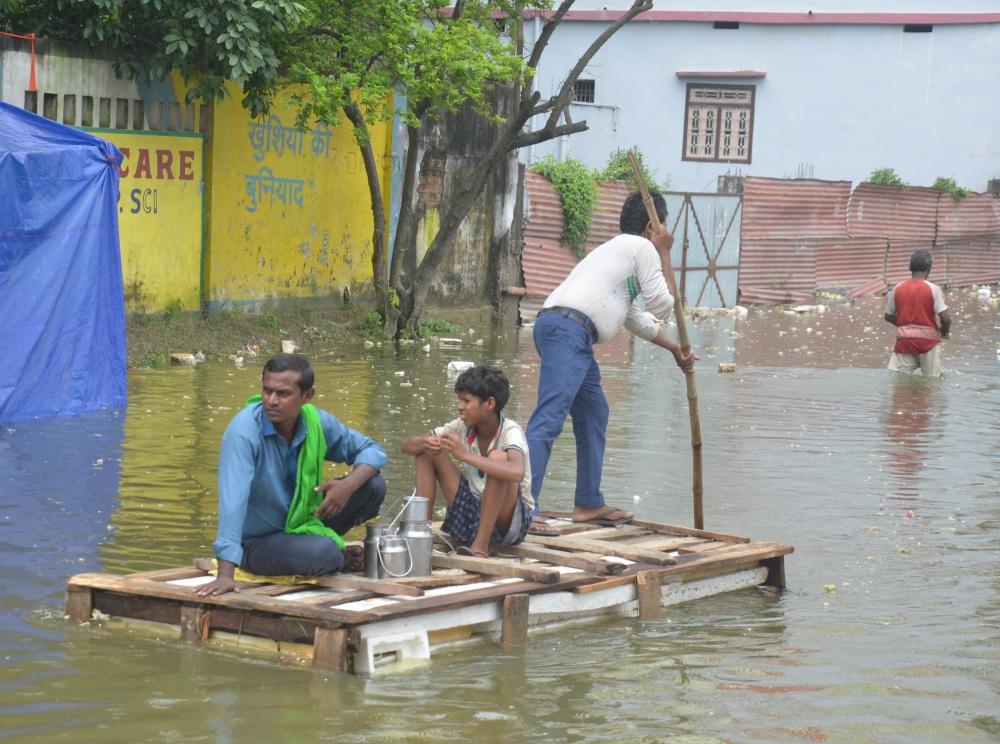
(276, 516)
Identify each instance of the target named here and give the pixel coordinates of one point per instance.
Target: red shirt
(916, 302)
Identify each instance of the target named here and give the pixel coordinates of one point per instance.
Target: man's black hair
(485, 383)
(633, 219)
(921, 261)
(292, 363)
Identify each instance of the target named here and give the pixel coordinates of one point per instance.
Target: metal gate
(706, 252)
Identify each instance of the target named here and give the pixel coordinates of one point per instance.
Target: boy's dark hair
(633, 219)
(921, 261)
(485, 382)
(292, 363)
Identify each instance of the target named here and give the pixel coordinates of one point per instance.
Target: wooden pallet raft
(346, 622)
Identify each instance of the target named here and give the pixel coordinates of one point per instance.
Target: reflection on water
(886, 486)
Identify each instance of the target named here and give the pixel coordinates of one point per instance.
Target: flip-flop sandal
(469, 552)
(543, 529)
(603, 518)
(354, 559)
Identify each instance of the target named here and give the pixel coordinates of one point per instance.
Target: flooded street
(887, 487)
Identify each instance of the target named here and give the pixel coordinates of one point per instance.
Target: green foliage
(949, 185)
(619, 169)
(431, 327)
(370, 327)
(574, 183)
(393, 297)
(208, 42)
(886, 177)
(271, 321)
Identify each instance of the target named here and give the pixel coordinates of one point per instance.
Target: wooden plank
(332, 599)
(605, 584)
(605, 548)
(775, 572)
(647, 587)
(666, 543)
(169, 574)
(449, 577)
(704, 546)
(612, 533)
(514, 628)
(375, 586)
(672, 529)
(330, 650)
(167, 611)
(233, 600)
(494, 567)
(589, 562)
(732, 555)
(79, 603)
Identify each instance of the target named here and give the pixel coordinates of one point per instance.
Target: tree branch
(561, 99)
(542, 41)
(547, 133)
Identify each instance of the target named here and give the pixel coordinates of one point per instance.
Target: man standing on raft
(592, 305)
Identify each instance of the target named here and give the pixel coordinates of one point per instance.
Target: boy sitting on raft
(490, 501)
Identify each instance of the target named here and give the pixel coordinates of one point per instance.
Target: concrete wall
(290, 211)
(268, 213)
(837, 100)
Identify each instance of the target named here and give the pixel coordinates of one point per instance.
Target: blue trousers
(281, 554)
(569, 384)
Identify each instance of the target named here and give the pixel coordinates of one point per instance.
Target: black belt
(574, 315)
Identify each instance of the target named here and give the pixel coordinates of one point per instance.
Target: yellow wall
(160, 218)
(290, 211)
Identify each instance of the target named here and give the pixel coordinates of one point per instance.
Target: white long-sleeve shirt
(605, 284)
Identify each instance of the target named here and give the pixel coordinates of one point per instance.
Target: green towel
(302, 519)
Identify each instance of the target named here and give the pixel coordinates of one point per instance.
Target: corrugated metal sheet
(545, 261)
(892, 212)
(975, 216)
(792, 245)
(781, 208)
(846, 263)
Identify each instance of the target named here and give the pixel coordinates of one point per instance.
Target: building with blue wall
(826, 90)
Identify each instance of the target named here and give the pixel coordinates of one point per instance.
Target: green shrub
(370, 327)
(949, 185)
(886, 177)
(619, 169)
(432, 327)
(574, 183)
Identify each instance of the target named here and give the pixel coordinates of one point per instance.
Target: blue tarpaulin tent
(62, 312)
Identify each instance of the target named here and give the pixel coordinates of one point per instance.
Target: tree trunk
(379, 263)
(406, 228)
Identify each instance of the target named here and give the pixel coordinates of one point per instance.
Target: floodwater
(886, 486)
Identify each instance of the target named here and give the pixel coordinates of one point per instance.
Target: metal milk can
(373, 534)
(394, 560)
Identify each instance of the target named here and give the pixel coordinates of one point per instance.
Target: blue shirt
(257, 468)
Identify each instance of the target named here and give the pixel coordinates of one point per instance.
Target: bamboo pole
(682, 337)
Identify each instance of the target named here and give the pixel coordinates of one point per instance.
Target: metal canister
(394, 557)
(373, 533)
(417, 509)
(420, 539)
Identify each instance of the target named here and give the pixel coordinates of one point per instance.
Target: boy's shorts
(462, 519)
